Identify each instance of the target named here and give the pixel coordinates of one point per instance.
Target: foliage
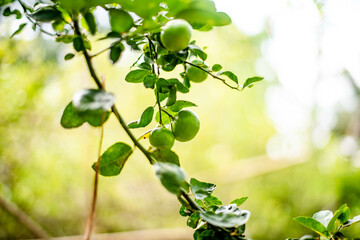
(140, 25)
(328, 225)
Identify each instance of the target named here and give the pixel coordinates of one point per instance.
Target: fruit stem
(213, 75)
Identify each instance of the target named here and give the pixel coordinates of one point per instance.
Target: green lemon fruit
(120, 20)
(176, 34)
(186, 125)
(162, 137)
(195, 74)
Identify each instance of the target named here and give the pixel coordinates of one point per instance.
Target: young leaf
(193, 219)
(331, 225)
(226, 216)
(230, 75)
(180, 87)
(71, 118)
(113, 159)
(93, 100)
(180, 104)
(250, 81)
(172, 177)
(323, 217)
(164, 117)
(212, 201)
(239, 201)
(166, 155)
(136, 76)
(69, 56)
(91, 22)
(201, 190)
(198, 52)
(145, 119)
(344, 216)
(216, 67)
(21, 27)
(172, 96)
(313, 224)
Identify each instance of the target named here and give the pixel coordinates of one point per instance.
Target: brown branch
(90, 222)
(25, 219)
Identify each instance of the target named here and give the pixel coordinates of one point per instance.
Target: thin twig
(100, 52)
(90, 222)
(214, 76)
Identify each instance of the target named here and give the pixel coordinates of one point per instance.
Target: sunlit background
(290, 143)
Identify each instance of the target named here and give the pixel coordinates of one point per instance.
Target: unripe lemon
(176, 35)
(162, 137)
(195, 74)
(186, 125)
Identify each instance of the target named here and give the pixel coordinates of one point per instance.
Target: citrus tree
(161, 32)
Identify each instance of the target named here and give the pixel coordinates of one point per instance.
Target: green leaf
(216, 67)
(46, 14)
(239, 201)
(172, 177)
(115, 52)
(21, 27)
(120, 20)
(5, 2)
(226, 216)
(69, 56)
(7, 12)
(198, 52)
(230, 75)
(180, 104)
(193, 219)
(172, 96)
(149, 81)
(91, 22)
(163, 86)
(71, 118)
(78, 44)
(164, 117)
(93, 105)
(313, 224)
(113, 159)
(331, 225)
(65, 39)
(212, 201)
(183, 212)
(323, 217)
(166, 155)
(201, 190)
(93, 100)
(250, 81)
(145, 66)
(145, 119)
(180, 87)
(345, 215)
(136, 76)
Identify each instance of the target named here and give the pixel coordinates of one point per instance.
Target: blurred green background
(46, 170)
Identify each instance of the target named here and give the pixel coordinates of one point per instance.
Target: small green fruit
(162, 137)
(176, 35)
(195, 74)
(186, 125)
